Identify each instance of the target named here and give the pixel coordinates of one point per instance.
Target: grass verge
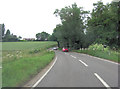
(111, 55)
(17, 72)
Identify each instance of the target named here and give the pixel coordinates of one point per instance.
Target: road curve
(77, 70)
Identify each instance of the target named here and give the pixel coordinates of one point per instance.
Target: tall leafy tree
(103, 23)
(42, 36)
(3, 29)
(71, 31)
(119, 25)
(7, 33)
(8, 37)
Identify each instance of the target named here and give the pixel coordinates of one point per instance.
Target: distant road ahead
(79, 70)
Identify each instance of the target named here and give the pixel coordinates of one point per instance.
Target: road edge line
(101, 59)
(45, 74)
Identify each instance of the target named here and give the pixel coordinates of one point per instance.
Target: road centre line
(72, 56)
(103, 82)
(66, 53)
(45, 74)
(83, 63)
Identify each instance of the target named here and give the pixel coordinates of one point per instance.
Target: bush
(107, 49)
(99, 47)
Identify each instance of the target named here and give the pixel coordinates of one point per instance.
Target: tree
(8, 37)
(7, 33)
(42, 36)
(3, 29)
(118, 25)
(71, 32)
(19, 37)
(52, 37)
(103, 24)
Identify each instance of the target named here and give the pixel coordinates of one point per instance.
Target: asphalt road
(79, 70)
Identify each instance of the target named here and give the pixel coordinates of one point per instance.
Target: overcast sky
(27, 17)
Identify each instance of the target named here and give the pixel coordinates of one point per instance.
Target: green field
(111, 55)
(26, 45)
(23, 60)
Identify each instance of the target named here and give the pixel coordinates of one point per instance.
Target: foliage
(21, 60)
(109, 55)
(79, 30)
(71, 32)
(42, 36)
(19, 71)
(3, 29)
(52, 37)
(8, 37)
(107, 49)
(99, 47)
(96, 47)
(103, 24)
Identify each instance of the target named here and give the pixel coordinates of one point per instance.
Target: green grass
(111, 55)
(26, 45)
(21, 61)
(17, 72)
(0, 78)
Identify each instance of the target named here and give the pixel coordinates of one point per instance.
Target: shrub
(97, 47)
(107, 49)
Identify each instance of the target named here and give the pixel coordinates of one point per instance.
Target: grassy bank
(23, 60)
(111, 55)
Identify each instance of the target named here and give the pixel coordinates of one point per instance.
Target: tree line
(80, 28)
(7, 36)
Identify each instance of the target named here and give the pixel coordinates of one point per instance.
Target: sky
(26, 18)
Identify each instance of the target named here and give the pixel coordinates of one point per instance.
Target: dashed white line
(44, 74)
(83, 63)
(0, 67)
(66, 53)
(103, 82)
(73, 56)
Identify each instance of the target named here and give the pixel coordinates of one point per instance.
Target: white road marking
(0, 67)
(102, 59)
(44, 74)
(103, 82)
(106, 60)
(66, 53)
(73, 56)
(83, 63)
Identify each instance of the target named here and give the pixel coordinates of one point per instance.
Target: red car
(65, 50)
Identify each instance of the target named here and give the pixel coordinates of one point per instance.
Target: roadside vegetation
(99, 50)
(96, 30)
(23, 60)
(79, 29)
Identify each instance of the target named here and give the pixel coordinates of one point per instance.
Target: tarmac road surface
(79, 70)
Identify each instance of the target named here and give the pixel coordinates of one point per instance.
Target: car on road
(65, 50)
(55, 48)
